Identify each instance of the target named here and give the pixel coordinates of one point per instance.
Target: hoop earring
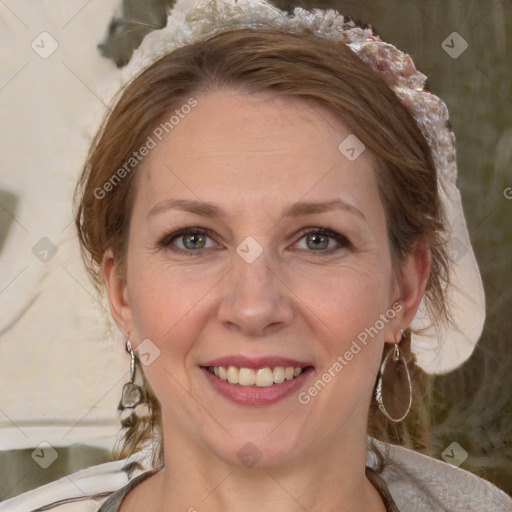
(132, 394)
(397, 372)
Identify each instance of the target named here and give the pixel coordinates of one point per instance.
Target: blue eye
(192, 239)
(195, 239)
(321, 237)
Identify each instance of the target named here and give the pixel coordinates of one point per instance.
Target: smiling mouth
(261, 377)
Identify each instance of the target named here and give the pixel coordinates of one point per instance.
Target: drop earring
(132, 394)
(394, 389)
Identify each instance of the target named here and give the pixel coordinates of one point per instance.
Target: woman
(270, 206)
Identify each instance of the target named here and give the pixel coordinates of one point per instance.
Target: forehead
(246, 149)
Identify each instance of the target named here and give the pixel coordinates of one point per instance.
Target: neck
(331, 479)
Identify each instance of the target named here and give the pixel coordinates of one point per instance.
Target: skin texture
(253, 156)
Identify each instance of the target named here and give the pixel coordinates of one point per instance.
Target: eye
(195, 239)
(318, 239)
(192, 240)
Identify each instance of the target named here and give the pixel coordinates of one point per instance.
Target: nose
(256, 300)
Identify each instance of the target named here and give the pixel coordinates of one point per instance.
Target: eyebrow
(298, 209)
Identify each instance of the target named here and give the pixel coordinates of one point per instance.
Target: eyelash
(166, 241)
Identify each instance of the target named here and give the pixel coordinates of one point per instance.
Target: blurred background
(62, 366)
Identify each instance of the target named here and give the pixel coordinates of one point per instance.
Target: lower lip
(254, 395)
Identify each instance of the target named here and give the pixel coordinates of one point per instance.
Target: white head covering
(439, 348)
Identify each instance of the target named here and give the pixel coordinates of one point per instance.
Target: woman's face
(255, 279)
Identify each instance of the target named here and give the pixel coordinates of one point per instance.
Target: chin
(259, 446)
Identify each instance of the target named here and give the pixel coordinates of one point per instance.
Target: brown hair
(321, 71)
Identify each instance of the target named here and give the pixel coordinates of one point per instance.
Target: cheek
(348, 310)
(351, 333)
(168, 300)
(345, 299)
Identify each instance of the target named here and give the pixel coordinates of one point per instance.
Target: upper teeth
(261, 377)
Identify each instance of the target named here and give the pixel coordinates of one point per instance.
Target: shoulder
(419, 482)
(83, 491)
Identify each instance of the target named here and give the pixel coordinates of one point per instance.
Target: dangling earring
(393, 379)
(132, 395)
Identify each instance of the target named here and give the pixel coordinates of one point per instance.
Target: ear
(117, 292)
(410, 286)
